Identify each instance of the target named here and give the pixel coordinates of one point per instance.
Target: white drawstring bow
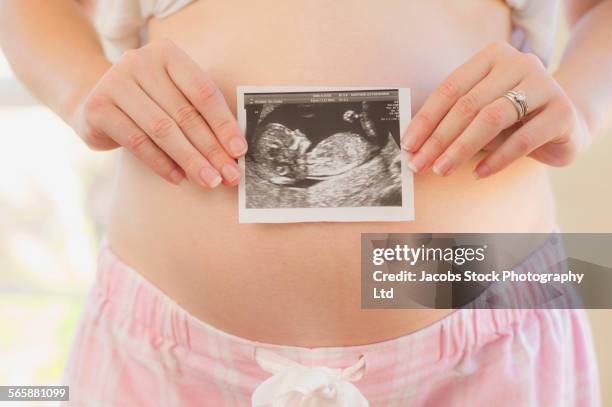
(296, 385)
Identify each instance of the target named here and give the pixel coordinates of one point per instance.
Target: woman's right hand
(158, 103)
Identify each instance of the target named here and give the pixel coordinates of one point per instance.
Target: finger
(120, 128)
(501, 137)
(159, 86)
(204, 94)
(462, 113)
(166, 134)
(490, 122)
(496, 142)
(446, 95)
(522, 142)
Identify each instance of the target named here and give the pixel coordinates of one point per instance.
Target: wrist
(75, 94)
(587, 117)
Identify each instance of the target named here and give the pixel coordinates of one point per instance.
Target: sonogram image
(322, 150)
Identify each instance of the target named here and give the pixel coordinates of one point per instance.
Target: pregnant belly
(299, 283)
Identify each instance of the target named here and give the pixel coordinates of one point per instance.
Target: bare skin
(286, 283)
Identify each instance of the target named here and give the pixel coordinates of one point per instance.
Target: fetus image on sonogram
(322, 155)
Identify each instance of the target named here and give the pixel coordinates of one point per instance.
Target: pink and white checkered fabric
(137, 347)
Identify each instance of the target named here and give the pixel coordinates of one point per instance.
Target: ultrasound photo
(324, 155)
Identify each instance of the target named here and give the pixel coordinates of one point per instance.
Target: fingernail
(483, 170)
(411, 166)
(210, 176)
(415, 163)
(176, 176)
(238, 146)
(407, 141)
(442, 166)
(230, 172)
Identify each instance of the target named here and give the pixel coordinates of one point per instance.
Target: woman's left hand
(468, 113)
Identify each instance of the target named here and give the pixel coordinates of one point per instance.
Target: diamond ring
(519, 101)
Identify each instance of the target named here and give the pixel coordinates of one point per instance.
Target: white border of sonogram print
(339, 214)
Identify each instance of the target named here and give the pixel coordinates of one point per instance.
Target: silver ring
(519, 101)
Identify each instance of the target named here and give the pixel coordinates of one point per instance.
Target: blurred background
(53, 198)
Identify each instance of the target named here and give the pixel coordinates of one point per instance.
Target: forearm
(586, 67)
(53, 48)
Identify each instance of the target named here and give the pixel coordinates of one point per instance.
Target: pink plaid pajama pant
(137, 347)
